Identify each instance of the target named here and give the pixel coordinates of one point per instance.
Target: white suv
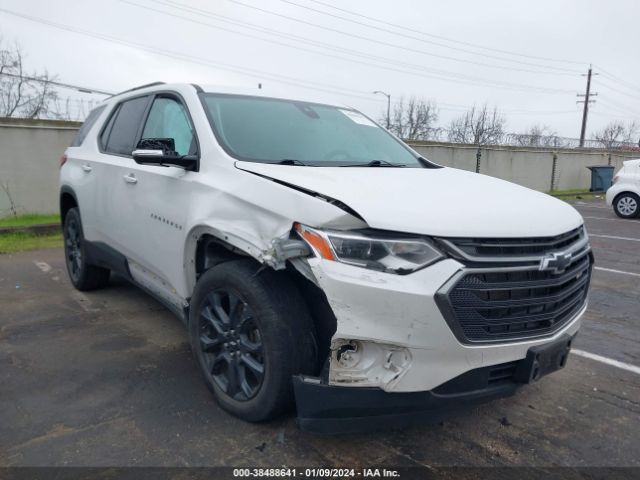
(316, 257)
(624, 194)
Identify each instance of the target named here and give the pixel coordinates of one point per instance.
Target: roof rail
(153, 84)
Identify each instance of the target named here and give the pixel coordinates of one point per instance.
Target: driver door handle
(130, 178)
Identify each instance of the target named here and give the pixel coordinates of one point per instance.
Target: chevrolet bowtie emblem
(555, 262)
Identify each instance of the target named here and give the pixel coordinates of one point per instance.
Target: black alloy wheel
(250, 332)
(73, 248)
(231, 345)
(84, 276)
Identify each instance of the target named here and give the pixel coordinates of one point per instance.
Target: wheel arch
(626, 192)
(207, 246)
(68, 200)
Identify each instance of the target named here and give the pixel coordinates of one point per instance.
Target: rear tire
(82, 275)
(627, 205)
(250, 332)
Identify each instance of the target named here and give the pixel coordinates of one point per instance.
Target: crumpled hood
(444, 202)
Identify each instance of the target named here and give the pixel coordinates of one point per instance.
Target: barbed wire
(542, 141)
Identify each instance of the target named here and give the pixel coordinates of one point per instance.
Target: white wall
(29, 160)
(531, 167)
(30, 151)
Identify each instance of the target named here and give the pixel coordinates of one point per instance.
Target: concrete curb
(586, 194)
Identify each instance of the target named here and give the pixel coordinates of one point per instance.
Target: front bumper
(384, 311)
(324, 408)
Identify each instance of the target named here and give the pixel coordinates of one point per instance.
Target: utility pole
(388, 106)
(585, 111)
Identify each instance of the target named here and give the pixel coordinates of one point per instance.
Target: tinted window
(86, 126)
(126, 123)
(271, 130)
(107, 129)
(168, 119)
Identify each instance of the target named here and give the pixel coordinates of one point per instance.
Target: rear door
(116, 142)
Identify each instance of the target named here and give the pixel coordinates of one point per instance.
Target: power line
(196, 60)
(610, 105)
(412, 37)
(233, 68)
(618, 80)
(298, 38)
(459, 42)
(606, 85)
(57, 84)
(361, 37)
(540, 112)
(613, 115)
(437, 74)
(622, 105)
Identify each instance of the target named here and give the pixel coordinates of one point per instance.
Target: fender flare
(68, 190)
(224, 237)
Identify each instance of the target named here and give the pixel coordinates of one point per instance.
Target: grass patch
(22, 242)
(29, 219)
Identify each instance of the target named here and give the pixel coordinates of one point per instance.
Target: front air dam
(324, 408)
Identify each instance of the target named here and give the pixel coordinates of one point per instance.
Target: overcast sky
(525, 57)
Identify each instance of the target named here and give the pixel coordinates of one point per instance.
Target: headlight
(392, 255)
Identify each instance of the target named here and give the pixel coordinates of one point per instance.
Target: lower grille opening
(480, 379)
(502, 373)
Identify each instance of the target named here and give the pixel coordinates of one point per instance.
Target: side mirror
(161, 152)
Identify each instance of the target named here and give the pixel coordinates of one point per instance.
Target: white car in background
(624, 194)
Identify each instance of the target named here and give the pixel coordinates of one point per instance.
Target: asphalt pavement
(107, 379)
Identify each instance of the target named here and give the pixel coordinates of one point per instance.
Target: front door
(156, 201)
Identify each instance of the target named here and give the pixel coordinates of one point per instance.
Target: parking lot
(107, 378)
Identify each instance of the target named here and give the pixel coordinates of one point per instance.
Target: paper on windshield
(358, 118)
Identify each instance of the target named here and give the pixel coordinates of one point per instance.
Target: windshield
(272, 130)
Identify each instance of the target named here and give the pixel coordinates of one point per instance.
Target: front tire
(82, 275)
(250, 332)
(627, 205)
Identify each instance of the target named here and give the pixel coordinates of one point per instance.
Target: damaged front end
(388, 358)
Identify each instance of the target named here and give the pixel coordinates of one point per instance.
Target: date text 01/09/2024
(315, 473)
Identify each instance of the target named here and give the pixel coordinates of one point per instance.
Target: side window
(106, 131)
(86, 126)
(120, 133)
(168, 119)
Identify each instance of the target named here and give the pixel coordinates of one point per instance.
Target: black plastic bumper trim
(332, 409)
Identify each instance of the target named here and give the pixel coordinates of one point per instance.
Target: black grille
(511, 247)
(502, 305)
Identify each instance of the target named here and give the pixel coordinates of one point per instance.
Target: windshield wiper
(291, 161)
(376, 163)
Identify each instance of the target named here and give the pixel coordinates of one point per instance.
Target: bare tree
(617, 134)
(23, 94)
(415, 119)
(479, 126)
(537, 136)
(13, 207)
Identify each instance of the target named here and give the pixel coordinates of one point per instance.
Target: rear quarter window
(122, 129)
(86, 126)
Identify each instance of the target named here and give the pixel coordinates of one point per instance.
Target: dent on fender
(257, 219)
